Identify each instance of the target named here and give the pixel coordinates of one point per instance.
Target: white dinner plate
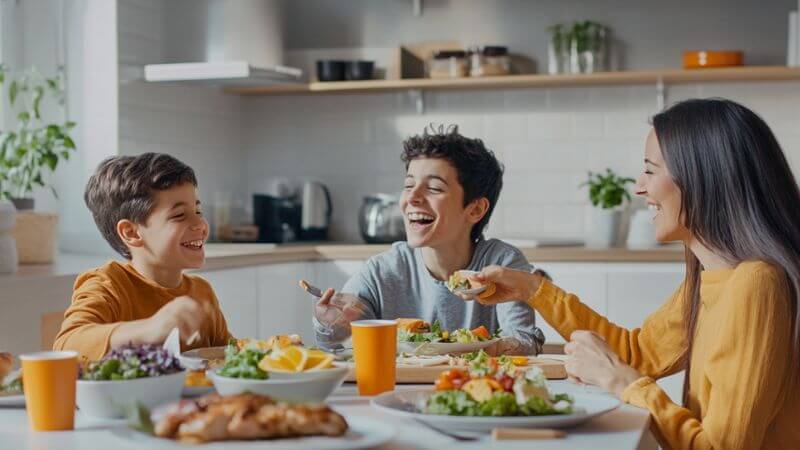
(406, 403)
(363, 433)
(442, 348)
(14, 400)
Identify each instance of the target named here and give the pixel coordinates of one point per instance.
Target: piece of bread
(6, 361)
(413, 325)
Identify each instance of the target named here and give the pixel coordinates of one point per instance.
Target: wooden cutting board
(412, 374)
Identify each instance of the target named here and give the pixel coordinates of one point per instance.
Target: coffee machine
(277, 218)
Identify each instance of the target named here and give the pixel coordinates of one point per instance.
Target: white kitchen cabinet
(236, 292)
(284, 308)
(587, 281)
(635, 293)
(334, 274)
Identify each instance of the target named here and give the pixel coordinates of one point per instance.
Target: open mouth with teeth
(419, 220)
(193, 245)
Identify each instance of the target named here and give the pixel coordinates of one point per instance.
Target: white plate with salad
(489, 395)
(417, 337)
(11, 390)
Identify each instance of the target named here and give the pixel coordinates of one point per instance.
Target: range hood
(237, 43)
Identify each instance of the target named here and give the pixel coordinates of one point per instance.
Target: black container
(330, 70)
(277, 218)
(359, 70)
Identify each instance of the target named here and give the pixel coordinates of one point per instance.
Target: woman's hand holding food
(510, 285)
(590, 360)
(334, 309)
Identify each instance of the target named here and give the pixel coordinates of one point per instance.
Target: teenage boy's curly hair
(479, 171)
(123, 187)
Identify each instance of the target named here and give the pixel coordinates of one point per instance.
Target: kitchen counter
(225, 256)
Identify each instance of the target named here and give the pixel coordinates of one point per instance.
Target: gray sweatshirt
(396, 284)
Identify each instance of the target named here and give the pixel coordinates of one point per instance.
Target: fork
(457, 437)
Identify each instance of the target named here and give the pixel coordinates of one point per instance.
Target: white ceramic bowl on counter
(113, 399)
(301, 387)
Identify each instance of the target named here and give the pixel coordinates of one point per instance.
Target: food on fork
(245, 417)
(463, 282)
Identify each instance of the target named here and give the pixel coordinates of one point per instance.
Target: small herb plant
(607, 190)
(31, 146)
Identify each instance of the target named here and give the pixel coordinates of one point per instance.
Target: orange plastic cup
(49, 379)
(375, 354)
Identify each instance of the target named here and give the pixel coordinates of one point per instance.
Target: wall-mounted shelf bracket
(417, 7)
(660, 94)
(418, 97)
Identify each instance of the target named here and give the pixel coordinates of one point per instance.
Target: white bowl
(113, 399)
(299, 389)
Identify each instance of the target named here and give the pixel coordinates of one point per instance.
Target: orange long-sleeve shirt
(104, 297)
(743, 392)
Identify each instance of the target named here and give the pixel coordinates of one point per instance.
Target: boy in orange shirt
(147, 208)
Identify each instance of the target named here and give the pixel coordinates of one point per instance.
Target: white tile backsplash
(546, 138)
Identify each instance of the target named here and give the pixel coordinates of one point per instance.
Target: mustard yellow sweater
(114, 293)
(743, 391)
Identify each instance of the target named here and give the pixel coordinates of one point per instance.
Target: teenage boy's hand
(334, 309)
(185, 313)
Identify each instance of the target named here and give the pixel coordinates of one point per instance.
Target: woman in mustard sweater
(719, 182)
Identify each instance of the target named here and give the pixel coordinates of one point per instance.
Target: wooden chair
(50, 326)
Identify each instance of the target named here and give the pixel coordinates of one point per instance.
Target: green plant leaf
(24, 116)
(68, 143)
(38, 92)
(51, 160)
(13, 90)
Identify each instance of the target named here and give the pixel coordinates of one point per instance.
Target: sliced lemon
(519, 360)
(318, 360)
(268, 364)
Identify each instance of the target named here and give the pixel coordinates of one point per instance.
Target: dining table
(624, 428)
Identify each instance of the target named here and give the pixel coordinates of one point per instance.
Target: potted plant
(607, 194)
(587, 47)
(31, 148)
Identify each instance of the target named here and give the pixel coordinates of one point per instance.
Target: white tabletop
(621, 429)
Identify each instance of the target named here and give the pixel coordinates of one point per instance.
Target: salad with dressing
(495, 387)
(420, 332)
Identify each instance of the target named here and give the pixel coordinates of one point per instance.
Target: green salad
(13, 386)
(243, 363)
(436, 334)
(495, 387)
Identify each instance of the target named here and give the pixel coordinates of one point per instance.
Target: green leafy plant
(31, 146)
(607, 190)
(587, 35)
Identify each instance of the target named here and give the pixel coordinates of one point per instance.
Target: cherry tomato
(481, 332)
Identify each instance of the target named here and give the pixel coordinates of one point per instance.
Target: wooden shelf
(666, 76)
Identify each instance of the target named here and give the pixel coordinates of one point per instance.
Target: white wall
(547, 138)
(201, 126)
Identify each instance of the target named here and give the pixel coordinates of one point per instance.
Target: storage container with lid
(448, 64)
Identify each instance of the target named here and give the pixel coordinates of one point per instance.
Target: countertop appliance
(277, 218)
(316, 212)
(381, 220)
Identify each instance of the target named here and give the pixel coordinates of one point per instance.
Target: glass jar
(588, 47)
(490, 61)
(448, 64)
(558, 50)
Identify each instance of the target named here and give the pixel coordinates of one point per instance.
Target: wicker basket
(36, 235)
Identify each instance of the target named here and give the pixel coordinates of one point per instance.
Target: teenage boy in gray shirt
(451, 187)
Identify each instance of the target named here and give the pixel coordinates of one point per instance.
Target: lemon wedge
(318, 360)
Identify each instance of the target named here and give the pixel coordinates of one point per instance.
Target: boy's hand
(340, 309)
(185, 313)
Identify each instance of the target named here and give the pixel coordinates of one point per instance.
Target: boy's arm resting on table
(656, 349)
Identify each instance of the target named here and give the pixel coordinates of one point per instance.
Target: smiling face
(662, 194)
(433, 205)
(174, 234)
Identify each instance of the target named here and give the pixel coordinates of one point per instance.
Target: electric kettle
(315, 218)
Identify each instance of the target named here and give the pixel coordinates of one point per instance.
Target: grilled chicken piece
(246, 416)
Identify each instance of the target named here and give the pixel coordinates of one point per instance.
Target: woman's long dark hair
(738, 196)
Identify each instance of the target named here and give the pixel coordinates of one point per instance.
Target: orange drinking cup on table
(49, 379)
(374, 351)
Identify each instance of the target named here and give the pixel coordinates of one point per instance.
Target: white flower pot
(600, 227)
(9, 258)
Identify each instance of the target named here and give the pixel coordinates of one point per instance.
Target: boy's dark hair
(479, 171)
(123, 187)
